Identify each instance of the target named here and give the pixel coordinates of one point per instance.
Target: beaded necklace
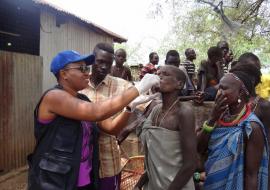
(160, 111)
(244, 113)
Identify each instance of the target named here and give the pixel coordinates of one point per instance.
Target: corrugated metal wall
(20, 89)
(69, 35)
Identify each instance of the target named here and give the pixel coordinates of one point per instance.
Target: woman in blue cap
(65, 156)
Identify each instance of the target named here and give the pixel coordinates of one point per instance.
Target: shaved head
(176, 72)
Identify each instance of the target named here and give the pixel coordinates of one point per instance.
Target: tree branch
(219, 10)
(254, 9)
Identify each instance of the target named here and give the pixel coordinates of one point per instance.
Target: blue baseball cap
(64, 58)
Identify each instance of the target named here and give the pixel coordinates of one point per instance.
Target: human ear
(63, 74)
(241, 94)
(180, 85)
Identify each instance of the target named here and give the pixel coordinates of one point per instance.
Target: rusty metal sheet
(20, 89)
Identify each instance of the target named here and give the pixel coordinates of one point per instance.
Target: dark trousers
(87, 187)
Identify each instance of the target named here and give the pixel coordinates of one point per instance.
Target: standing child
(119, 70)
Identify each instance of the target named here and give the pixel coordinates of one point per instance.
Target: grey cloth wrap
(163, 154)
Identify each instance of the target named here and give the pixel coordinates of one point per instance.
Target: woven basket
(132, 172)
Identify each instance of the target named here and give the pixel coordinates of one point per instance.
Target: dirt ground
(17, 179)
(14, 180)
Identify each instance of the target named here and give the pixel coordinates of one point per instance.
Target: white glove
(142, 99)
(147, 82)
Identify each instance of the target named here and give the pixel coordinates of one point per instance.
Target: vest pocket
(66, 138)
(53, 174)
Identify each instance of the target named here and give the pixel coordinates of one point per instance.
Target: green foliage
(201, 28)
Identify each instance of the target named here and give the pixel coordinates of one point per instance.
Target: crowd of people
(80, 123)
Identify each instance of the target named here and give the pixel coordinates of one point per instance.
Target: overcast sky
(129, 18)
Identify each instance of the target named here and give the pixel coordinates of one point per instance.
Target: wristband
(128, 109)
(197, 177)
(207, 128)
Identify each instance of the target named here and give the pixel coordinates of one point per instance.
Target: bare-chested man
(168, 138)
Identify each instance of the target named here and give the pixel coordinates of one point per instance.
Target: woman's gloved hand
(147, 82)
(142, 99)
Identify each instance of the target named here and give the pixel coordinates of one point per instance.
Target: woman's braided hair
(252, 73)
(249, 74)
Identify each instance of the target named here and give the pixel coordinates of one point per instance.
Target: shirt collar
(104, 82)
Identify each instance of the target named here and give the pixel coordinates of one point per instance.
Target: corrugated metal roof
(100, 29)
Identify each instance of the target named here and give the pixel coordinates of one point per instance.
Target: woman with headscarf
(235, 139)
(251, 65)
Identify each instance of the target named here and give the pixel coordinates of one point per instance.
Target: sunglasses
(82, 68)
